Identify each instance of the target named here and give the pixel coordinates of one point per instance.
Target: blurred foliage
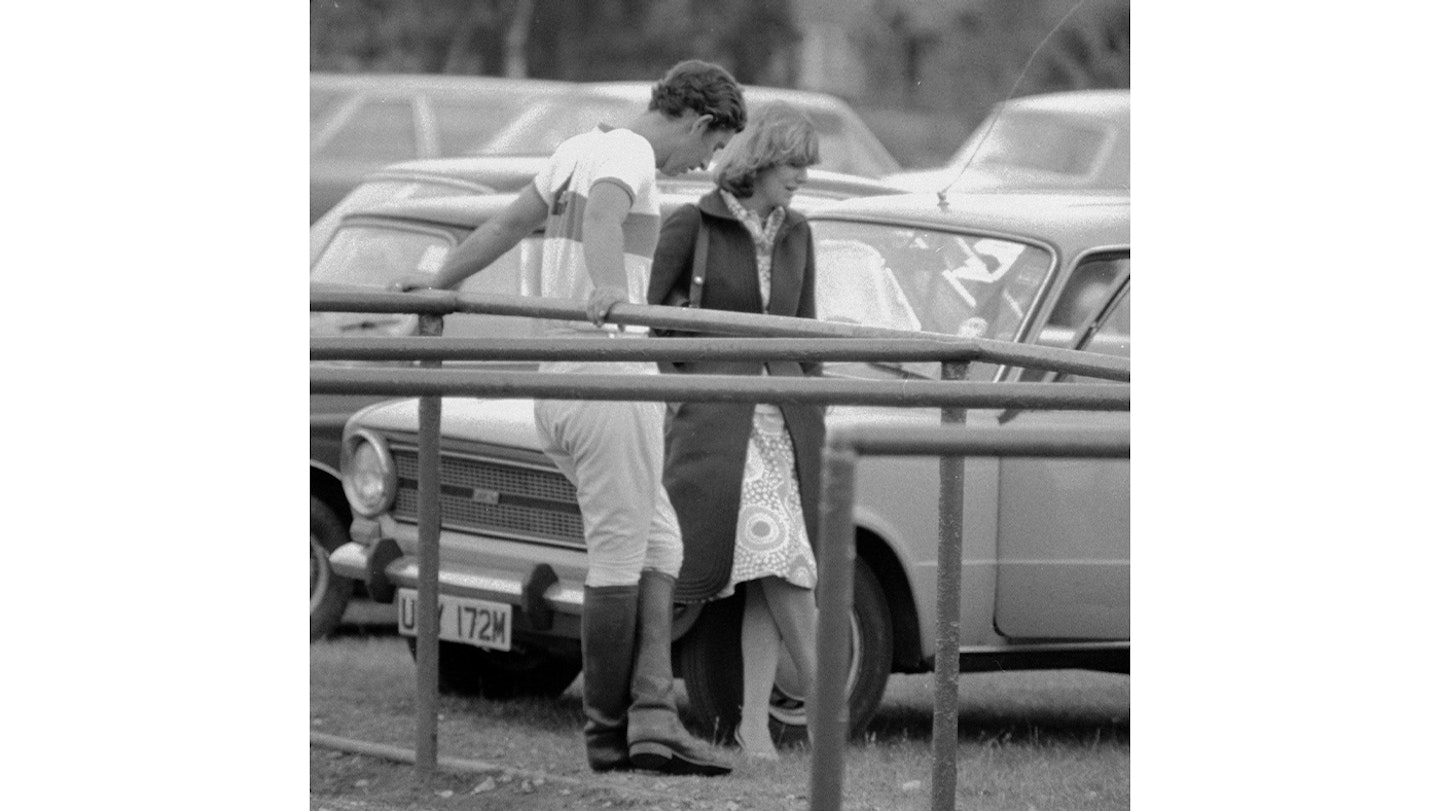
(973, 56)
(950, 59)
(630, 39)
(927, 71)
(558, 39)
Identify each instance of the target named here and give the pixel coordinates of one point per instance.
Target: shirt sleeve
(547, 181)
(630, 165)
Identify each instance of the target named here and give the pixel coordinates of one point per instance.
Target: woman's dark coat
(706, 443)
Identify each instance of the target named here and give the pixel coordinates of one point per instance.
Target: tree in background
(554, 39)
(973, 58)
(414, 36)
(925, 72)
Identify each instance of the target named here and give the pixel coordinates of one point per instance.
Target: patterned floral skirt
(770, 536)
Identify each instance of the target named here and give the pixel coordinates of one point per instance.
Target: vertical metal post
(944, 733)
(427, 639)
(827, 710)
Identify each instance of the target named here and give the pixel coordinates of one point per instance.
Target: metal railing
(826, 709)
(808, 341)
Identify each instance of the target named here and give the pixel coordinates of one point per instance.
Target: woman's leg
(759, 653)
(793, 611)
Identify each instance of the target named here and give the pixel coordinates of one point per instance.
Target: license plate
(472, 622)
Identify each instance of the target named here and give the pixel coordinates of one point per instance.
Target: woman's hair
(706, 88)
(777, 135)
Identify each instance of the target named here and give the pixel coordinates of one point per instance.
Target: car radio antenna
(990, 125)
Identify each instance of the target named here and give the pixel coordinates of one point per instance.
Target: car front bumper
(543, 602)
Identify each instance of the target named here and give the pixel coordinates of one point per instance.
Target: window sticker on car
(432, 259)
(952, 283)
(1003, 252)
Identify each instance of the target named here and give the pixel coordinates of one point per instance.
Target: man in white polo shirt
(598, 201)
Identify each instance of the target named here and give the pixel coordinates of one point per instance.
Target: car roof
(632, 91)
(484, 173)
(482, 170)
(1109, 104)
(640, 91)
(408, 83)
(1067, 220)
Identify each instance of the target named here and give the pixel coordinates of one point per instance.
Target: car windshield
(375, 191)
(919, 279)
(904, 278)
(1043, 142)
(372, 256)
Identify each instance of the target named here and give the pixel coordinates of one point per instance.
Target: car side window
(1077, 304)
(462, 126)
(1112, 337)
(381, 131)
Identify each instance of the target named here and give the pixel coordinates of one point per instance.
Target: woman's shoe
(768, 753)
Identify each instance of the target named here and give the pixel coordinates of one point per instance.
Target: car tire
(329, 592)
(710, 655)
(522, 672)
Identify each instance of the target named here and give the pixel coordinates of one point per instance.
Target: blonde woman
(745, 479)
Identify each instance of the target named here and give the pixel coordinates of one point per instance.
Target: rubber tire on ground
(522, 672)
(329, 592)
(710, 665)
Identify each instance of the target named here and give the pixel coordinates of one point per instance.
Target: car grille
(494, 497)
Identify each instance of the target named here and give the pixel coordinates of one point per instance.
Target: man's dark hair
(707, 89)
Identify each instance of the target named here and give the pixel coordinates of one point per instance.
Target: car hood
(510, 423)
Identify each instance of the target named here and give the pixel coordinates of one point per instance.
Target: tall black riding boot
(607, 647)
(658, 742)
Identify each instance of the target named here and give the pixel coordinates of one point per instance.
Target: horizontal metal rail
(962, 350)
(720, 388)
(325, 298)
(827, 708)
(943, 440)
(845, 445)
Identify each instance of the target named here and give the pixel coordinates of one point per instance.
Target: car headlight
(368, 473)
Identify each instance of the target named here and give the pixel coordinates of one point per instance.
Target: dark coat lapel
(787, 267)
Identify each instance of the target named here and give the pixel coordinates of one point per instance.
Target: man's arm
(488, 243)
(604, 248)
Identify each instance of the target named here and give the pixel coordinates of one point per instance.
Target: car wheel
(522, 672)
(329, 592)
(710, 666)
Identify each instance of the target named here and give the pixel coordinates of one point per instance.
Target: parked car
(442, 177)
(1047, 546)
(1073, 140)
(361, 122)
(355, 246)
(846, 144)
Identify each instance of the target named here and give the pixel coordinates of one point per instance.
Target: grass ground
(1027, 741)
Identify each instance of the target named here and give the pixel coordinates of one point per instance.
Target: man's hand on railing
(415, 281)
(601, 300)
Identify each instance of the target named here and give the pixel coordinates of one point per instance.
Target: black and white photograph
(740, 390)
(720, 405)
